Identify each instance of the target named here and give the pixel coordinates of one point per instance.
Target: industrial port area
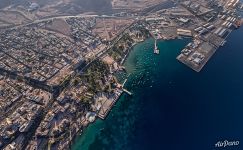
(57, 73)
(208, 27)
(209, 36)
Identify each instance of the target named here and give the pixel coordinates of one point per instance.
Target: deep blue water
(173, 107)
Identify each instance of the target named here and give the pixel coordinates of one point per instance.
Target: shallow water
(173, 107)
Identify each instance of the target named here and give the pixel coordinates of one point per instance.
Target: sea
(172, 106)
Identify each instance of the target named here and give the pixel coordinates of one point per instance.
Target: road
(66, 17)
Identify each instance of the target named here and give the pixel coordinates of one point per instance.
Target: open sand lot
(109, 28)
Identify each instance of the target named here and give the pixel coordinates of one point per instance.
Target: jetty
(126, 91)
(156, 49)
(124, 83)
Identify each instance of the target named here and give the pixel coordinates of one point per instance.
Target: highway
(66, 17)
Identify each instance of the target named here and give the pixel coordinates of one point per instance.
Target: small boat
(238, 24)
(156, 49)
(223, 43)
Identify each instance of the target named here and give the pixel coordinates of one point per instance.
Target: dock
(196, 65)
(126, 91)
(107, 105)
(206, 41)
(106, 112)
(124, 82)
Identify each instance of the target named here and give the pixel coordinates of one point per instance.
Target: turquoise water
(173, 107)
(141, 65)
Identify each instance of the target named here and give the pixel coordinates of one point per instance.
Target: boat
(238, 24)
(223, 43)
(156, 49)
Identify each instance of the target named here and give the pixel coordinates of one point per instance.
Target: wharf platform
(196, 67)
(107, 106)
(126, 91)
(196, 57)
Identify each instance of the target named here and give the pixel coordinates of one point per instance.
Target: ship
(238, 24)
(223, 43)
(156, 49)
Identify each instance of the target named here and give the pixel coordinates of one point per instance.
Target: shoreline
(79, 133)
(81, 130)
(119, 98)
(103, 117)
(214, 49)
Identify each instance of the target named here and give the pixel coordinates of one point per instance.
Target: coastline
(130, 49)
(107, 87)
(91, 125)
(102, 132)
(164, 39)
(103, 117)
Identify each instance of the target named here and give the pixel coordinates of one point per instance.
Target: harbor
(171, 98)
(61, 74)
(197, 53)
(202, 40)
(207, 28)
(206, 40)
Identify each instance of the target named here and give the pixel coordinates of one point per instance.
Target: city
(58, 74)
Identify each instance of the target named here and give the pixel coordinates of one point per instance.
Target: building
(183, 32)
(33, 7)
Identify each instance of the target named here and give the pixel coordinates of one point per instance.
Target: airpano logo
(226, 143)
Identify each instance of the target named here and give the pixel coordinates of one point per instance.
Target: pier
(126, 91)
(124, 82)
(108, 104)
